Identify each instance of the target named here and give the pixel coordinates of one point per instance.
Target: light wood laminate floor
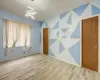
(42, 67)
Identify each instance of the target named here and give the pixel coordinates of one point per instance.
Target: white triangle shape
(65, 56)
(53, 21)
(63, 24)
(53, 34)
(61, 34)
(69, 32)
(75, 19)
(69, 42)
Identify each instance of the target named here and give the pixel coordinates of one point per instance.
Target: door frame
(42, 40)
(98, 40)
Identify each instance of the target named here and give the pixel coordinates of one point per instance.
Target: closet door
(90, 43)
(45, 41)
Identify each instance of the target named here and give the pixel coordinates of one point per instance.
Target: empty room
(49, 39)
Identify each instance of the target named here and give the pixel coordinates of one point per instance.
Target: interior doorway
(45, 41)
(90, 43)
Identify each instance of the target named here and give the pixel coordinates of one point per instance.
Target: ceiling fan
(30, 12)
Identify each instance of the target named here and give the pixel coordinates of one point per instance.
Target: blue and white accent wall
(65, 32)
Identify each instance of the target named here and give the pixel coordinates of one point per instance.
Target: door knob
(96, 46)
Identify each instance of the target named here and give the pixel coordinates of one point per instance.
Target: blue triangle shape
(51, 53)
(56, 25)
(76, 33)
(95, 10)
(75, 52)
(46, 25)
(70, 19)
(81, 9)
(41, 23)
(61, 47)
(64, 30)
(51, 41)
(63, 15)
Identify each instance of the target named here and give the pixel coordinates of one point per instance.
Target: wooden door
(45, 41)
(90, 43)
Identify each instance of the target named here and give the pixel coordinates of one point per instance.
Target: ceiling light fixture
(30, 12)
(30, 8)
(32, 0)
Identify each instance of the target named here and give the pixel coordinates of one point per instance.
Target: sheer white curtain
(25, 35)
(16, 34)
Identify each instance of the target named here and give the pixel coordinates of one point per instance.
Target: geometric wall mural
(75, 52)
(41, 23)
(61, 33)
(61, 47)
(96, 2)
(54, 47)
(56, 26)
(76, 33)
(64, 32)
(46, 24)
(64, 36)
(81, 9)
(51, 53)
(70, 19)
(58, 34)
(50, 30)
(87, 12)
(95, 10)
(54, 34)
(51, 41)
(63, 15)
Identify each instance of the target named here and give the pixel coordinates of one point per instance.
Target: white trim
(99, 44)
(89, 17)
(41, 40)
(66, 61)
(15, 58)
(81, 43)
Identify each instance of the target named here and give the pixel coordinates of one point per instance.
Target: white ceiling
(45, 8)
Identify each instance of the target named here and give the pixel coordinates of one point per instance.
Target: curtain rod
(15, 20)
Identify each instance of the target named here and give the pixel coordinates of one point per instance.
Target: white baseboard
(66, 61)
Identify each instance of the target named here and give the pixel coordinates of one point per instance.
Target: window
(16, 34)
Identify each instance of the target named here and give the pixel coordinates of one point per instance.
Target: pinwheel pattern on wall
(64, 33)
